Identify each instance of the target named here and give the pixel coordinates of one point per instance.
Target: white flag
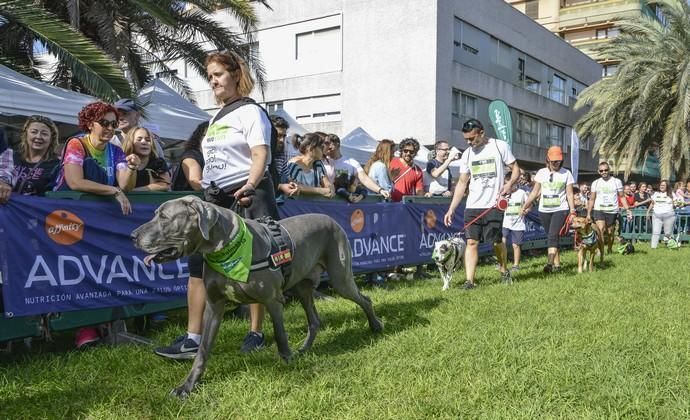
(574, 153)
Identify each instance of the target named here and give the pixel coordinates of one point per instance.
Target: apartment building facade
(586, 24)
(403, 68)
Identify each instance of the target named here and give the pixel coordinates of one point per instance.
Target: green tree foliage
(140, 39)
(645, 106)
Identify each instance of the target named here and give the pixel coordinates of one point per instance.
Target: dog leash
(501, 205)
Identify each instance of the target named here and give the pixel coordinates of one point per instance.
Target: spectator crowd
(229, 159)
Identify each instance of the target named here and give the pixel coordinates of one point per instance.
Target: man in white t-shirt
(338, 166)
(482, 167)
(603, 199)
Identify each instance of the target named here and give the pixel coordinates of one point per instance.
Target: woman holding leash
(554, 186)
(236, 151)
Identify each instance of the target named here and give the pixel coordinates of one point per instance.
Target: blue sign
(64, 255)
(61, 255)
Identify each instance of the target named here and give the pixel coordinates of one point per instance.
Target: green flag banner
(499, 114)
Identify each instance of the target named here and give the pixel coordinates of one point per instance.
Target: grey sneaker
(514, 268)
(548, 268)
(180, 349)
(468, 286)
(506, 277)
(253, 341)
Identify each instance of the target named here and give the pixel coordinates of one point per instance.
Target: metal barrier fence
(640, 227)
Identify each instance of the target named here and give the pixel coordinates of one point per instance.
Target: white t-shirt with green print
(513, 218)
(607, 194)
(227, 146)
(553, 185)
(486, 168)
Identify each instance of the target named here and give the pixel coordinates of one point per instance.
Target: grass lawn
(612, 344)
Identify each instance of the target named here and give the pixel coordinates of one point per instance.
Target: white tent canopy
(23, 96)
(358, 145)
(168, 114)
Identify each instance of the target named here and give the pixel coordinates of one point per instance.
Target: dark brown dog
(590, 239)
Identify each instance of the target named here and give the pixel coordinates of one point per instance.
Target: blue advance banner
(63, 255)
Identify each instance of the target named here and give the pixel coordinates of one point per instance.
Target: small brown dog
(590, 239)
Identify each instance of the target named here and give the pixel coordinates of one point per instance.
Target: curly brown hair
(94, 112)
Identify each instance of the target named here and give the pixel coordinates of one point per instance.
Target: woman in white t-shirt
(514, 222)
(663, 213)
(554, 186)
(236, 152)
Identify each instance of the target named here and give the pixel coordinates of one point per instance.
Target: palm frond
(89, 64)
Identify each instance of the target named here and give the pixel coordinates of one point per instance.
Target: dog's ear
(206, 217)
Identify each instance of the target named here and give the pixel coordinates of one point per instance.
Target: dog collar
(235, 258)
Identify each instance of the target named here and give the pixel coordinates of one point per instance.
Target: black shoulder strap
(231, 107)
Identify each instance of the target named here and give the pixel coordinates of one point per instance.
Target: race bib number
(513, 209)
(485, 168)
(551, 201)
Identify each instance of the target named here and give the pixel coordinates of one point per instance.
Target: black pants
(553, 222)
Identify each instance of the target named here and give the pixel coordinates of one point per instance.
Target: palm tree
(26, 28)
(145, 37)
(645, 106)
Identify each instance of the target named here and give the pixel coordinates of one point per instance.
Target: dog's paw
(182, 392)
(377, 326)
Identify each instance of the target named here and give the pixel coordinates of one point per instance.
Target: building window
(532, 9)
(554, 135)
(607, 33)
(527, 130)
(469, 106)
(532, 85)
(557, 90)
(609, 70)
(311, 45)
(521, 69)
(274, 106)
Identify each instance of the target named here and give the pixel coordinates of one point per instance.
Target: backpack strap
(231, 107)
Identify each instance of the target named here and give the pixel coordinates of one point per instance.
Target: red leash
(501, 205)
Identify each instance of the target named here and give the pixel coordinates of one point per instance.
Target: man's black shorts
(609, 218)
(487, 228)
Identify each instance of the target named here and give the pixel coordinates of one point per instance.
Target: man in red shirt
(407, 176)
(408, 179)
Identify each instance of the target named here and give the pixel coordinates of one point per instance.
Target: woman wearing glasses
(554, 187)
(92, 164)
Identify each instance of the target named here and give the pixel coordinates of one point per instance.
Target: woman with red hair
(92, 164)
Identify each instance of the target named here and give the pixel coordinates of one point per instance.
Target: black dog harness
(272, 248)
(457, 257)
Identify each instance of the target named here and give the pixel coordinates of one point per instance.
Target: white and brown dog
(448, 256)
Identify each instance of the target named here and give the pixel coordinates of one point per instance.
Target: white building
(404, 68)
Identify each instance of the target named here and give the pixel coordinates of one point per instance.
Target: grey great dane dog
(188, 225)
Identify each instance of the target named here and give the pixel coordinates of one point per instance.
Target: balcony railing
(587, 13)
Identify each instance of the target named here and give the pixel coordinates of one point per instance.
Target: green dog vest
(234, 260)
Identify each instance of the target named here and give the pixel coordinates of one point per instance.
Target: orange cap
(554, 153)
